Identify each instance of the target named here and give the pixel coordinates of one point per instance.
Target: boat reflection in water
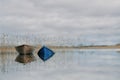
(25, 58)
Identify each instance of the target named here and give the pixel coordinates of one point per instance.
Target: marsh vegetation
(9, 41)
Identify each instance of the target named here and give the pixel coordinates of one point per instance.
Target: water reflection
(65, 65)
(118, 51)
(6, 60)
(25, 58)
(3, 59)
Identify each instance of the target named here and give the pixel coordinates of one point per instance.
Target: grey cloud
(82, 7)
(60, 16)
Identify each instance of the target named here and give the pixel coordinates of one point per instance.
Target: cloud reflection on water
(92, 65)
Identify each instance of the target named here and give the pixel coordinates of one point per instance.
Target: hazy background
(90, 21)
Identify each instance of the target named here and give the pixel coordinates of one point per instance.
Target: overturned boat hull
(25, 49)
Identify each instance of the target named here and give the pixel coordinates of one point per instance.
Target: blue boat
(45, 53)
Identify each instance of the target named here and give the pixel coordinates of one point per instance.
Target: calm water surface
(64, 65)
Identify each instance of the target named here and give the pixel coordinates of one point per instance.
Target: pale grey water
(64, 65)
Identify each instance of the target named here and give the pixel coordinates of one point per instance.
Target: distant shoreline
(12, 48)
(87, 47)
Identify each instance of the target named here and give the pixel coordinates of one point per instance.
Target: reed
(9, 41)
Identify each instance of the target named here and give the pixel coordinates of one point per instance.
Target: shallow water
(64, 65)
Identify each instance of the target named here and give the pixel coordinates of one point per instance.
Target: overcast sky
(56, 17)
